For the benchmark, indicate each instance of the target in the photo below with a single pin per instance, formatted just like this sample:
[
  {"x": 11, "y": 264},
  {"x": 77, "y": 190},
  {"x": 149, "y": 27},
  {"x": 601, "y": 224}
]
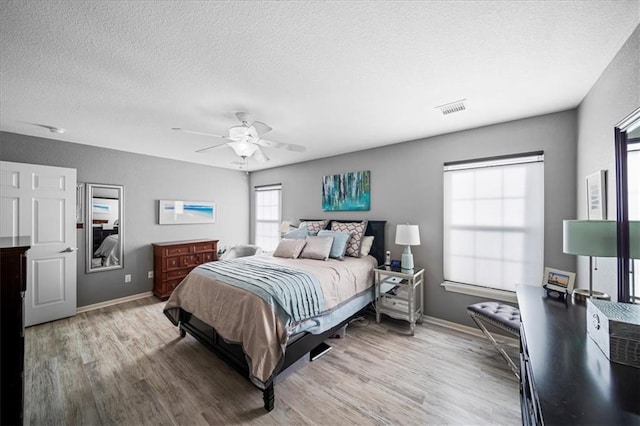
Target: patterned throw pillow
[
  {"x": 357, "y": 229},
  {"x": 315, "y": 226}
]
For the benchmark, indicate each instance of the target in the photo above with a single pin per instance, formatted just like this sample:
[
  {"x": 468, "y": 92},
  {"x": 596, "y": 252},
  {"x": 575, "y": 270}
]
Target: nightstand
[{"x": 400, "y": 294}]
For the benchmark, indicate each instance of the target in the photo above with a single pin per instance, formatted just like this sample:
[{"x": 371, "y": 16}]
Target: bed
[
  {"x": 108, "y": 253},
  {"x": 257, "y": 342}
]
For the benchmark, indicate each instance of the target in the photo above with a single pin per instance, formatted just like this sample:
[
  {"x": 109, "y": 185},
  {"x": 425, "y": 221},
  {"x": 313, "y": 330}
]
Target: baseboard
[
  {"x": 465, "y": 329},
  {"x": 112, "y": 302}
]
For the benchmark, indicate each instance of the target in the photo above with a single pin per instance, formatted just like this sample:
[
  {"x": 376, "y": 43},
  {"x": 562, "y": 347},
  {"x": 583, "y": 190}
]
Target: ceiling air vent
[{"x": 452, "y": 107}]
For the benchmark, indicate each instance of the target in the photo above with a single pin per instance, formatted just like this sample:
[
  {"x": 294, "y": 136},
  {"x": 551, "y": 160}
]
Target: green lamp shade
[{"x": 590, "y": 237}]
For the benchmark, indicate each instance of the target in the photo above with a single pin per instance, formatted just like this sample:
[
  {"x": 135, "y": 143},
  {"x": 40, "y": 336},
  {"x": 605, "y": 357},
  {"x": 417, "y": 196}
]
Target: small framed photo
[
  {"x": 597, "y": 196},
  {"x": 557, "y": 280}
]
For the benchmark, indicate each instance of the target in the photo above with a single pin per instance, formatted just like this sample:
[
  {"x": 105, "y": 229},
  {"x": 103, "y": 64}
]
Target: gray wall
[
  {"x": 406, "y": 186},
  {"x": 612, "y": 98},
  {"x": 146, "y": 179}
]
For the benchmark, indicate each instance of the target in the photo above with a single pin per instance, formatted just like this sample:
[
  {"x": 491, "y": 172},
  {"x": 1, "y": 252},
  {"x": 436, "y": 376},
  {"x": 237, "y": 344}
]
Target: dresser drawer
[
  {"x": 171, "y": 285},
  {"x": 200, "y": 247},
  {"x": 206, "y": 257},
  {"x": 180, "y": 273},
  {"x": 171, "y": 263},
  {"x": 173, "y": 251},
  {"x": 189, "y": 260}
]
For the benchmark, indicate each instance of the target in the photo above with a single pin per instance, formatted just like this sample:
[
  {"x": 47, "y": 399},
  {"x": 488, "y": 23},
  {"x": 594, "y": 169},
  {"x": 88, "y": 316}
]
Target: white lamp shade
[
  {"x": 285, "y": 226},
  {"x": 407, "y": 235},
  {"x": 596, "y": 238}
]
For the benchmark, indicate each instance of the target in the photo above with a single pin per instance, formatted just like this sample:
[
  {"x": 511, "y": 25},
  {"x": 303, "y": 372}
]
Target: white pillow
[{"x": 367, "y": 242}]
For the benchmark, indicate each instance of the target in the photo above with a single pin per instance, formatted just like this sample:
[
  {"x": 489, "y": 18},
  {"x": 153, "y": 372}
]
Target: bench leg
[{"x": 498, "y": 346}]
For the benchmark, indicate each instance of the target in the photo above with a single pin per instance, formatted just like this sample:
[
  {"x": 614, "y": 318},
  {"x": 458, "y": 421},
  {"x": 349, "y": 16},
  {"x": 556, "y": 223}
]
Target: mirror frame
[
  {"x": 89, "y": 226},
  {"x": 622, "y": 202}
]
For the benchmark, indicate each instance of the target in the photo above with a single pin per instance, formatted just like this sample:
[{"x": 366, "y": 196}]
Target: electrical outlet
[
  {"x": 127, "y": 278},
  {"x": 150, "y": 274}
]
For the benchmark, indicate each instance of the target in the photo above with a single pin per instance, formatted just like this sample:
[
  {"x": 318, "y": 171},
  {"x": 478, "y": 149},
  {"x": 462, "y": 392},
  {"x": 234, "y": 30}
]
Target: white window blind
[
  {"x": 267, "y": 216},
  {"x": 494, "y": 221}
]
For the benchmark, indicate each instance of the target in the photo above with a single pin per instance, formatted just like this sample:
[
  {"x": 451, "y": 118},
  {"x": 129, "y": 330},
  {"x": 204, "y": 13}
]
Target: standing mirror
[
  {"x": 627, "y": 155},
  {"x": 104, "y": 227}
]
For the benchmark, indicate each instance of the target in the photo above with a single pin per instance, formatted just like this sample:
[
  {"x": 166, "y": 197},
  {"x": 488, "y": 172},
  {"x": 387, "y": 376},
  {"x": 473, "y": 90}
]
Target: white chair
[{"x": 241, "y": 251}]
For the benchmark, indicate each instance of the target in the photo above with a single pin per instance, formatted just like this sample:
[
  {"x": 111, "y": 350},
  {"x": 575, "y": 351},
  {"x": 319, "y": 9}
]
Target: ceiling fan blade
[
  {"x": 261, "y": 127},
  {"x": 209, "y": 148},
  {"x": 268, "y": 144},
  {"x": 260, "y": 156},
  {"x": 198, "y": 133}
]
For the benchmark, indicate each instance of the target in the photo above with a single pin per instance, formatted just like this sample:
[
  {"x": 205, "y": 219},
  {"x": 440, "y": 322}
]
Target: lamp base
[
  {"x": 407, "y": 260},
  {"x": 581, "y": 295}
]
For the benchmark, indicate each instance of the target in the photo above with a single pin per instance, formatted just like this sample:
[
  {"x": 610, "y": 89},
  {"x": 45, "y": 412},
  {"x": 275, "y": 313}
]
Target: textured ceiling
[{"x": 335, "y": 77}]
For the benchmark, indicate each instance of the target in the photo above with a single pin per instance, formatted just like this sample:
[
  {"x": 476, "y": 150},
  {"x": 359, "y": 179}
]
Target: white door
[{"x": 40, "y": 202}]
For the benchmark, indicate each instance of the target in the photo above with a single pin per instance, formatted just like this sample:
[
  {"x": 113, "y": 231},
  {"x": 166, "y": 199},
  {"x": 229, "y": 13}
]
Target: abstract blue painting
[
  {"x": 347, "y": 191},
  {"x": 172, "y": 212}
]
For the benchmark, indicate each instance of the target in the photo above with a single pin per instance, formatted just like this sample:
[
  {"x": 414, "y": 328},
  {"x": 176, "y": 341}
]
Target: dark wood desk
[{"x": 565, "y": 377}]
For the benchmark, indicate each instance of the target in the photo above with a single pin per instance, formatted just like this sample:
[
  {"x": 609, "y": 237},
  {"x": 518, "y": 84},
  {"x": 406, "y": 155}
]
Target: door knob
[{"x": 69, "y": 250}]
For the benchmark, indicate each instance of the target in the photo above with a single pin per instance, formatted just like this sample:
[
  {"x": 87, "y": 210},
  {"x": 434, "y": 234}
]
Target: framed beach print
[
  {"x": 176, "y": 212},
  {"x": 557, "y": 280},
  {"x": 597, "y": 196}
]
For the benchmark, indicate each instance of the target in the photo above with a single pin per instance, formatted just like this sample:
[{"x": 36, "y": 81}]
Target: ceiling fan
[{"x": 246, "y": 139}]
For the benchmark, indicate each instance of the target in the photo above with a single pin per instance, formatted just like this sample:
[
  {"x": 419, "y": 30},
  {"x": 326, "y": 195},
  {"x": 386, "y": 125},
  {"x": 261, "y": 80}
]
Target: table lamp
[
  {"x": 407, "y": 235},
  {"x": 285, "y": 226},
  {"x": 593, "y": 238}
]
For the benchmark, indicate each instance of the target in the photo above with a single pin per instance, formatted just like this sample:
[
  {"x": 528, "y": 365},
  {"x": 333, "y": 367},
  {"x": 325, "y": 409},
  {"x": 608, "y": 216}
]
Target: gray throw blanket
[{"x": 294, "y": 295}]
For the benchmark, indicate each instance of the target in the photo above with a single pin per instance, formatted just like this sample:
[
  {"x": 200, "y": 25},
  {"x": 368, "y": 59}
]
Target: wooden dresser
[
  {"x": 173, "y": 260},
  {"x": 13, "y": 259}
]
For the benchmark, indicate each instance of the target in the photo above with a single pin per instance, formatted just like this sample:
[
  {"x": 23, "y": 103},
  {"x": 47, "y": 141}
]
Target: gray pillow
[
  {"x": 317, "y": 248},
  {"x": 297, "y": 234},
  {"x": 289, "y": 249},
  {"x": 340, "y": 241}
]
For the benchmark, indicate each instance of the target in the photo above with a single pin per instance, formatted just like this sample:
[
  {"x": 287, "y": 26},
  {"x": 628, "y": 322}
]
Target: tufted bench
[{"x": 500, "y": 315}]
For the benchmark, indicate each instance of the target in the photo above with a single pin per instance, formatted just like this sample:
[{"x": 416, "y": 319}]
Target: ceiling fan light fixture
[
  {"x": 243, "y": 149},
  {"x": 238, "y": 133}
]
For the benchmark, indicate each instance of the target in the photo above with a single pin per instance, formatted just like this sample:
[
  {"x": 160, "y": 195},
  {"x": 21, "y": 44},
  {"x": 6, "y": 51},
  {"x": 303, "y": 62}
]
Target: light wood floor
[{"x": 126, "y": 365}]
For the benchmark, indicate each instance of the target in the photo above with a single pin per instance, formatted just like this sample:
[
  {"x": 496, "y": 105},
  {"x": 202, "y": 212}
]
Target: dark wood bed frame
[{"x": 296, "y": 350}]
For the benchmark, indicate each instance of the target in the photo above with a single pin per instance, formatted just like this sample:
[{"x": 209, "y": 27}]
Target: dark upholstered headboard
[{"x": 375, "y": 228}]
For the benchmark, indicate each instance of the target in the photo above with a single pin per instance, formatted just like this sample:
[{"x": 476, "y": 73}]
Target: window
[
  {"x": 494, "y": 221},
  {"x": 267, "y": 214}
]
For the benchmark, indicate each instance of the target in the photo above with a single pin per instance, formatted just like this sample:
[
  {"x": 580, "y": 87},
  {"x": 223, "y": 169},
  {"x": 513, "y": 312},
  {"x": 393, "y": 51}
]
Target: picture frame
[
  {"x": 596, "y": 196},
  {"x": 558, "y": 280},
  {"x": 347, "y": 191},
  {"x": 179, "y": 212}
]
